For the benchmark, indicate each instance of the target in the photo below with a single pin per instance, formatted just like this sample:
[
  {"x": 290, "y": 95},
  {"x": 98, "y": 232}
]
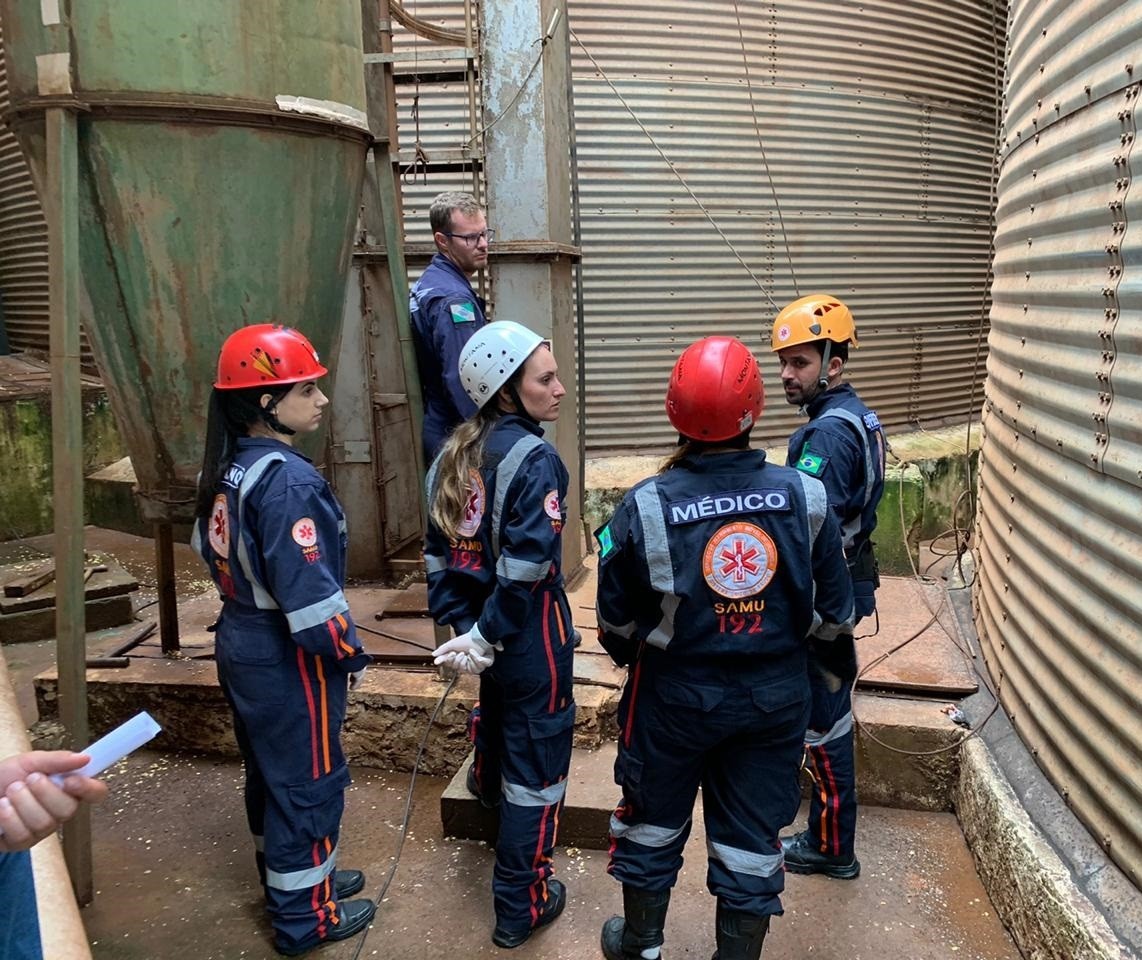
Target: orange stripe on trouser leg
[
  {"x": 550, "y": 652},
  {"x": 307, "y": 687},
  {"x": 326, "y": 752},
  {"x": 559, "y": 623},
  {"x": 830, "y": 801},
  {"x": 537, "y": 863}
]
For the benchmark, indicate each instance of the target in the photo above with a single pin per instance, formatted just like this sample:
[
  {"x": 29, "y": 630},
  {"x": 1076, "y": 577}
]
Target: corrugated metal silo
[
  {"x": 1059, "y": 592},
  {"x": 878, "y": 121}
]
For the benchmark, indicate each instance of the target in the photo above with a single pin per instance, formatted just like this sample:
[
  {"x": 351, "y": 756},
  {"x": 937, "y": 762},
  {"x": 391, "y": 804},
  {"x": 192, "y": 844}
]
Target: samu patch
[
  {"x": 463, "y": 313},
  {"x": 304, "y": 534},
  {"x": 871, "y": 421},
  {"x": 811, "y": 463}
]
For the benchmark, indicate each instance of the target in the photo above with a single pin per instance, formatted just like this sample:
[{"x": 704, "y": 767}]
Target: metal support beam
[
  {"x": 168, "y": 597},
  {"x": 62, "y": 208},
  {"x": 528, "y": 179}
]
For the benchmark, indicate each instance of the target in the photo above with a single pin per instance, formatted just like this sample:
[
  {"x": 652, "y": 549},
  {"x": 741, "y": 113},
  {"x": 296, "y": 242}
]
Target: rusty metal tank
[{"x": 221, "y": 152}]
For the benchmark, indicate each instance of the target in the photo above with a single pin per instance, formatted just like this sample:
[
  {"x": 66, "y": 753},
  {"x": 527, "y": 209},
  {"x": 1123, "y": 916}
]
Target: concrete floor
[{"x": 175, "y": 879}]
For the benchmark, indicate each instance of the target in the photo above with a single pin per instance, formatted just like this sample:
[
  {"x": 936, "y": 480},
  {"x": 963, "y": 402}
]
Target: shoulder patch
[
  {"x": 463, "y": 313},
  {"x": 606, "y": 541},
  {"x": 871, "y": 420},
  {"x": 811, "y": 463}
]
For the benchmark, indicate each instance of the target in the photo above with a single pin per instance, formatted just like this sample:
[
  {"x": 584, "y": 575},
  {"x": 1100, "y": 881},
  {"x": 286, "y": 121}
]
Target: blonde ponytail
[{"x": 462, "y": 453}]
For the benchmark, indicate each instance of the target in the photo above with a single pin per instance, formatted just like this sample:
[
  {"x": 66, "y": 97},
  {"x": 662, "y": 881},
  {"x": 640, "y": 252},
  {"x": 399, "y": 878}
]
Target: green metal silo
[{"x": 221, "y": 151}]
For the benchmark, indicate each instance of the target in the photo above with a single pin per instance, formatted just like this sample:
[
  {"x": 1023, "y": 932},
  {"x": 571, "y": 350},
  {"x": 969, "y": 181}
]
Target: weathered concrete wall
[
  {"x": 26, "y": 452},
  {"x": 1032, "y": 889},
  {"x": 385, "y": 722}
]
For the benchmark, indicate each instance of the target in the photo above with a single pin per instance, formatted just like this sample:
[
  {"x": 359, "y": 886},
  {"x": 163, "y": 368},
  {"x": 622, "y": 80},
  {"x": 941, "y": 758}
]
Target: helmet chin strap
[
  {"x": 520, "y": 409},
  {"x": 823, "y": 380},
  {"x": 275, "y": 424}
]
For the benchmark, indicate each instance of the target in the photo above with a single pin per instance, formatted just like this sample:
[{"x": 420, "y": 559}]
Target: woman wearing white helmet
[{"x": 493, "y": 551}]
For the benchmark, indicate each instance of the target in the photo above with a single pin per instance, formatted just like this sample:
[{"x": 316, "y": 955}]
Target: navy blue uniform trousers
[
  {"x": 738, "y": 734},
  {"x": 522, "y": 732}
]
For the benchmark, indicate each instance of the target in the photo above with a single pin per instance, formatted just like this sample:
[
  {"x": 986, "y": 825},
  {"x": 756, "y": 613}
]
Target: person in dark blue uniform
[
  {"x": 843, "y": 446},
  {"x": 497, "y": 504},
  {"x": 445, "y": 311},
  {"x": 273, "y": 536},
  {"x": 715, "y": 577}
]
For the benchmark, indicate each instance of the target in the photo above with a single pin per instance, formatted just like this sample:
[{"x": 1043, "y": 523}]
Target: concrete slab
[
  {"x": 584, "y": 822},
  {"x": 175, "y": 879},
  {"x": 917, "y": 647}
]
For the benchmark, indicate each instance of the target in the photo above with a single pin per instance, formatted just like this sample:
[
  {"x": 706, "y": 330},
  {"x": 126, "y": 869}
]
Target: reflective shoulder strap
[
  {"x": 505, "y": 473},
  {"x": 869, "y": 462},
  {"x": 254, "y": 473}
]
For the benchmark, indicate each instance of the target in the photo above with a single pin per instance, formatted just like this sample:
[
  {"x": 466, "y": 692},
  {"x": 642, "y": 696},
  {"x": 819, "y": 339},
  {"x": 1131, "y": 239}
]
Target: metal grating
[{"x": 1059, "y": 593}]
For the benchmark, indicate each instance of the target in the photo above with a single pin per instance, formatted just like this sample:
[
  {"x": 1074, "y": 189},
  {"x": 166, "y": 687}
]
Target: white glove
[
  {"x": 356, "y": 678},
  {"x": 467, "y": 653}
]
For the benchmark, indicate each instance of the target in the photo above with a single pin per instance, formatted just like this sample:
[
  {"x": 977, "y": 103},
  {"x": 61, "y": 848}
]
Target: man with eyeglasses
[{"x": 446, "y": 311}]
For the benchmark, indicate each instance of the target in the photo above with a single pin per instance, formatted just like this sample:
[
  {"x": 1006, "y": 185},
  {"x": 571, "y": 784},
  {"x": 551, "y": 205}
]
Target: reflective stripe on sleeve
[
  {"x": 317, "y": 613},
  {"x": 523, "y": 571},
  {"x": 434, "y": 563}
]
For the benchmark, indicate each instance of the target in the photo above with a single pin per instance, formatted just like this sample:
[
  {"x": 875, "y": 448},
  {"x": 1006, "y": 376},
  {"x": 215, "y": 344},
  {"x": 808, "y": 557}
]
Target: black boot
[
  {"x": 802, "y": 855},
  {"x": 740, "y": 935},
  {"x": 624, "y": 938}
]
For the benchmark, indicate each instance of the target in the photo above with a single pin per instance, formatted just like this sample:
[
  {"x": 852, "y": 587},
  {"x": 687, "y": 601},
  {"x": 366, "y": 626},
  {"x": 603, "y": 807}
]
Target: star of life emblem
[
  {"x": 218, "y": 527},
  {"x": 739, "y": 560},
  {"x": 474, "y": 506}
]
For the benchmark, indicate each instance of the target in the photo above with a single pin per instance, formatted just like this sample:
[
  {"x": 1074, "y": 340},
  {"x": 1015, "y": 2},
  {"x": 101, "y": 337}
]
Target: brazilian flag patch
[
  {"x": 606, "y": 541},
  {"x": 463, "y": 313},
  {"x": 810, "y": 462}
]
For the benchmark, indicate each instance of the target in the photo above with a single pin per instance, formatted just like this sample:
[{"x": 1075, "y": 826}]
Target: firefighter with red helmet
[
  {"x": 843, "y": 446},
  {"x": 714, "y": 577},
  {"x": 497, "y": 495},
  {"x": 273, "y": 536}
]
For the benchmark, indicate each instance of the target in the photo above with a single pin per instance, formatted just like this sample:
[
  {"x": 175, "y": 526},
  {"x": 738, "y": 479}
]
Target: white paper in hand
[{"x": 112, "y": 748}]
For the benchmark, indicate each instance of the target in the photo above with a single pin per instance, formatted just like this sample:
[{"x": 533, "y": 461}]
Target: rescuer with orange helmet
[
  {"x": 712, "y": 575},
  {"x": 272, "y": 535},
  {"x": 843, "y": 446}
]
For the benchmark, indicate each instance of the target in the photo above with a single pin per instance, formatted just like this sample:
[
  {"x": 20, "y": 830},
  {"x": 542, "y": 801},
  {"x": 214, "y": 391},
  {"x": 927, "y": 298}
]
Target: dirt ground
[{"x": 175, "y": 879}]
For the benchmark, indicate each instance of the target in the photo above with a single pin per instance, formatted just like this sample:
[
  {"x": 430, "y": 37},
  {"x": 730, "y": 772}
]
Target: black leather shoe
[
  {"x": 474, "y": 789},
  {"x": 356, "y": 915},
  {"x": 802, "y": 856},
  {"x": 558, "y": 895},
  {"x": 346, "y": 883}
]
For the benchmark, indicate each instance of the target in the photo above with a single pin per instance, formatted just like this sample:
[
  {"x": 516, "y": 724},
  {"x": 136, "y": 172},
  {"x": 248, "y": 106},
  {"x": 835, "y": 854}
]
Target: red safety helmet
[
  {"x": 715, "y": 391},
  {"x": 265, "y": 354}
]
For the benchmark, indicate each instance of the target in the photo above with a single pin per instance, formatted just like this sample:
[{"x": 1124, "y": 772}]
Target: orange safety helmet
[
  {"x": 715, "y": 391},
  {"x": 815, "y": 317},
  {"x": 266, "y": 354}
]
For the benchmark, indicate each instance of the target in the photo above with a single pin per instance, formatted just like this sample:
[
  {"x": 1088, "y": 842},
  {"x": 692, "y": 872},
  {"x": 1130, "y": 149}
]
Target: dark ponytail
[{"x": 229, "y": 416}]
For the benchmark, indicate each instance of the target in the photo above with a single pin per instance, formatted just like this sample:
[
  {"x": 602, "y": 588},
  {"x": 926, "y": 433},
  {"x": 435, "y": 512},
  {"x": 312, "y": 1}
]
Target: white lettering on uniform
[{"x": 738, "y": 502}]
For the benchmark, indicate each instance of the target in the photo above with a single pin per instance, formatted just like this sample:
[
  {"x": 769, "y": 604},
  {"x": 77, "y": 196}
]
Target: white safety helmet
[{"x": 492, "y": 354}]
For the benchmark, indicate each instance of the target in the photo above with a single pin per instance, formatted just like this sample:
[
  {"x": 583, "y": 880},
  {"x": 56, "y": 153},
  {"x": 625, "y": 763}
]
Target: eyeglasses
[{"x": 472, "y": 238}]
